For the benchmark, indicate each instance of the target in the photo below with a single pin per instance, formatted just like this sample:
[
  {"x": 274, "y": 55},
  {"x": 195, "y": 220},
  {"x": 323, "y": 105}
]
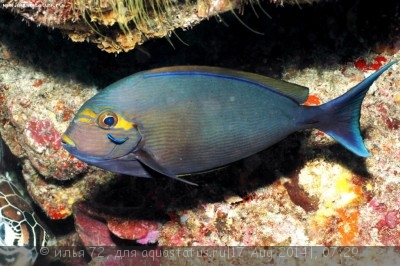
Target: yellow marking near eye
[
  {"x": 124, "y": 124},
  {"x": 85, "y": 120},
  {"x": 67, "y": 140},
  {"x": 87, "y": 112},
  {"x": 86, "y": 115}
]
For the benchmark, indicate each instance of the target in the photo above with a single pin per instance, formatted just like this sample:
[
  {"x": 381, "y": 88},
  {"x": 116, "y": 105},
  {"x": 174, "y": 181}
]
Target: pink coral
[
  {"x": 131, "y": 229},
  {"x": 44, "y": 133},
  {"x": 150, "y": 238},
  {"x": 94, "y": 232},
  {"x": 392, "y": 219}
]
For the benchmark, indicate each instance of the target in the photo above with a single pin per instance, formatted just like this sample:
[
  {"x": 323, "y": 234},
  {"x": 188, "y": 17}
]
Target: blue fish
[{"x": 189, "y": 119}]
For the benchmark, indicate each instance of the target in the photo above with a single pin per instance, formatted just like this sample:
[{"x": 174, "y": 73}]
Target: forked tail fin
[{"x": 340, "y": 118}]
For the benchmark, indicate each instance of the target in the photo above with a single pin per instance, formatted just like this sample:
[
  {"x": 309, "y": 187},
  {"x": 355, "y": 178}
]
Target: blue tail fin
[{"x": 341, "y": 116}]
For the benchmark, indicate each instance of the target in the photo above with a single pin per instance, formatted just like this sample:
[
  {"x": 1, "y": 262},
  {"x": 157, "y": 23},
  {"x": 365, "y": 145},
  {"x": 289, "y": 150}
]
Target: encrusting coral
[{"x": 120, "y": 25}]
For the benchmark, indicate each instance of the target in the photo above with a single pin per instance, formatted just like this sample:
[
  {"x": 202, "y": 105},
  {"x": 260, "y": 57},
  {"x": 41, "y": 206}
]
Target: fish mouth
[
  {"x": 67, "y": 141},
  {"x": 127, "y": 164},
  {"x": 82, "y": 156},
  {"x": 69, "y": 145}
]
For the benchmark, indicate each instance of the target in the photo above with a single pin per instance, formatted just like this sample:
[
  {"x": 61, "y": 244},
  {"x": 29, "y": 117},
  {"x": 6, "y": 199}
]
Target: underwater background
[{"x": 306, "y": 190}]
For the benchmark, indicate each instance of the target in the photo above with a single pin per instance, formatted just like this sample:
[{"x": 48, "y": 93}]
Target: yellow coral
[{"x": 339, "y": 197}]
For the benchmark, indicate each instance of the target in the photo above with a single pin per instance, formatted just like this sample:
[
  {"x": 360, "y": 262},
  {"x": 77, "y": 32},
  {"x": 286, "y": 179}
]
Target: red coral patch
[
  {"x": 44, "y": 133},
  {"x": 131, "y": 229}
]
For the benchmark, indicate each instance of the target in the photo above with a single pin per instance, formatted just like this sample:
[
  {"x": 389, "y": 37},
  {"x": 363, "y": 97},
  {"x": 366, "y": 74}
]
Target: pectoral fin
[{"x": 147, "y": 159}]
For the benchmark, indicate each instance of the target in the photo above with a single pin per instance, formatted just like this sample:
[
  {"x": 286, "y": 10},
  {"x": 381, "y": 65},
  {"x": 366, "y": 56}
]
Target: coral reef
[
  {"x": 32, "y": 122},
  {"x": 142, "y": 231},
  {"x": 120, "y": 25},
  {"x": 305, "y": 191}
]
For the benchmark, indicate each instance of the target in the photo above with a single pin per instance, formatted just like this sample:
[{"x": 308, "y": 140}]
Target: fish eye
[{"x": 107, "y": 120}]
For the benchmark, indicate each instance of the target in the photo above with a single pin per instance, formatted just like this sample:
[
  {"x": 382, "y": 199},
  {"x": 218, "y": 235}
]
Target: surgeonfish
[
  {"x": 22, "y": 234},
  {"x": 189, "y": 119}
]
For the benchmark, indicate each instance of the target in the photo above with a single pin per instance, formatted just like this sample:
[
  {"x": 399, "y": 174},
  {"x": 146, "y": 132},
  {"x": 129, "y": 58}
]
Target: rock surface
[
  {"x": 119, "y": 26},
  {"x": 306, "y": 190}
]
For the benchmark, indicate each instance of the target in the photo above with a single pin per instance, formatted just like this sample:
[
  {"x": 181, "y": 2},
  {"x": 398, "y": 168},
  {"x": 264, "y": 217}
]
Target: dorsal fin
[{"x": 294, "y": 91}]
